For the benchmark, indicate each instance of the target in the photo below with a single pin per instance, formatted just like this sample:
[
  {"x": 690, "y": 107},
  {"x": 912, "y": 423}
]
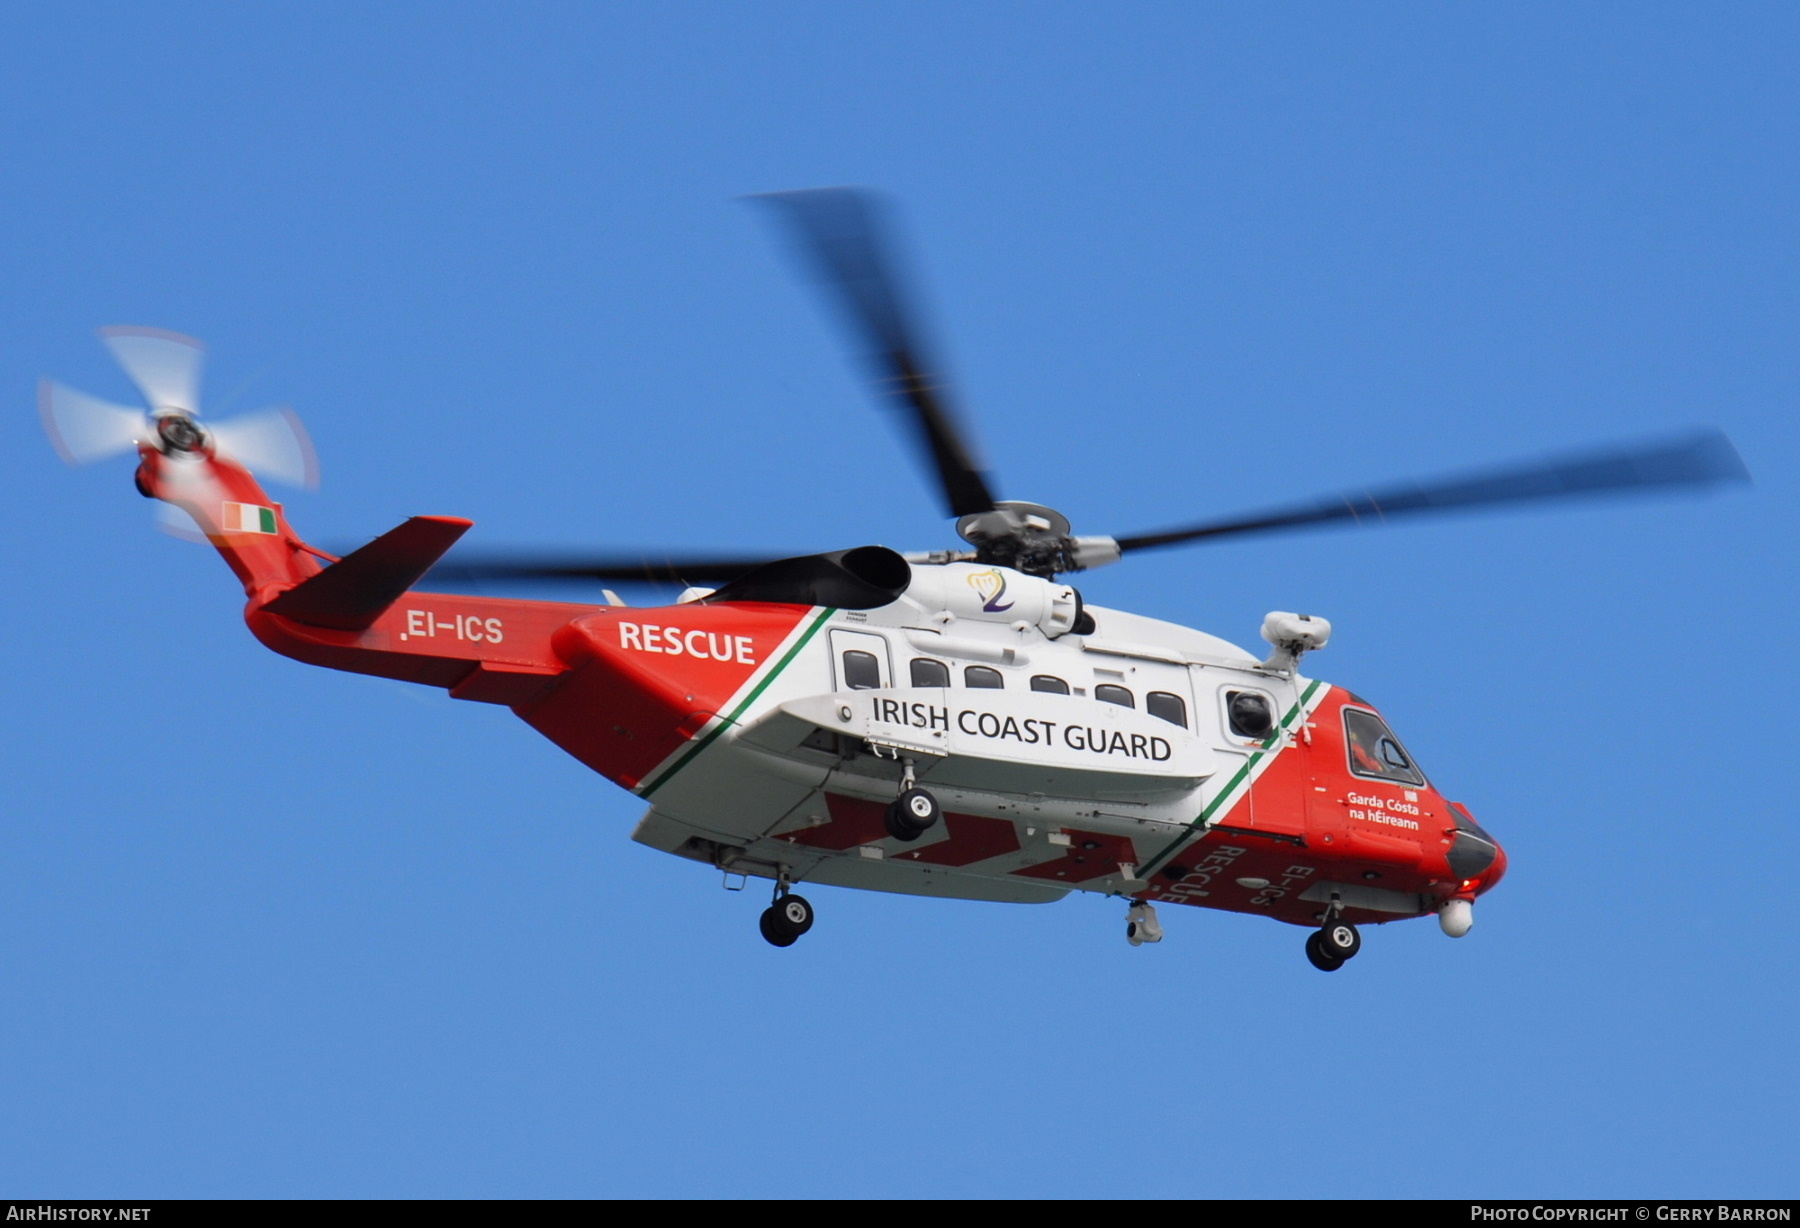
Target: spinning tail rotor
[{"x": 166, "y": 367}]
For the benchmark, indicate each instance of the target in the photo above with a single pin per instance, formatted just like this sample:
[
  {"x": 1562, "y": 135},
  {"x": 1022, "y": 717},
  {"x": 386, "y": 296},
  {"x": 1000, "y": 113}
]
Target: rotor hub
[
  {"x": 1027, "y": 537},
  {"x": 179, "y": 433}
]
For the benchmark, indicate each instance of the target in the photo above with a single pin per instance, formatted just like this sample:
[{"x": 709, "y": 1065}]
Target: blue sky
[{"x": 266, "y": 929}]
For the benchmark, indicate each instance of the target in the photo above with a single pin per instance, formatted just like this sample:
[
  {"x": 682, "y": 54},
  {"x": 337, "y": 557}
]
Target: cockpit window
[{"x": 1375, "y": 751}]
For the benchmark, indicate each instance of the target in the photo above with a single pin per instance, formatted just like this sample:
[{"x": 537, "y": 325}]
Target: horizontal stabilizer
[{"x": 351, "y": 594}]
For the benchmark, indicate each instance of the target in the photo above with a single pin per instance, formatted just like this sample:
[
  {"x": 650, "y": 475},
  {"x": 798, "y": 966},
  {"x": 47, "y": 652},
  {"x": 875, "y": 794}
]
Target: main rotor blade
[
  {"x": 843, "y": 237},
  {"x": 1700, "y": 458},
  {"x": 467, "y": 568},
  {"x": 165, "y": 366}
]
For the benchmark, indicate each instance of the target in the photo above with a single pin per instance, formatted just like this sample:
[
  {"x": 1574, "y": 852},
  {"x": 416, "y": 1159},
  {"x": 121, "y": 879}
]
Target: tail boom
[
  {"x": 626, "y": 696},
  {"x": 489, "y": 649}
]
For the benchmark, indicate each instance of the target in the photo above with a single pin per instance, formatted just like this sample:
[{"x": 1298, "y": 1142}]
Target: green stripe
[
  {"x": 749, "y": 699},
  {"x": 1198, "y": 826}
]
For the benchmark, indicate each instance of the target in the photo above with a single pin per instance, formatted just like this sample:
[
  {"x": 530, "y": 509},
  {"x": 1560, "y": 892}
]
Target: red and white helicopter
[{"x": 956, "y": 723}]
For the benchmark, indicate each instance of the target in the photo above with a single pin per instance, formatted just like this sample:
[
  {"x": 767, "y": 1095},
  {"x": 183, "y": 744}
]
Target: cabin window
[
  {"x": 1250, "y": 714},
  {"x": 981, "y": 678},
  {"x": 1375, "y": 751},
  {"x": 1107, "y": 693},
  {"x": 862, "y": 672},
  {"x": 1049, "y": 684},
  {"x": 1171, "y": 708},
  {"x": 926, "y": 672}
]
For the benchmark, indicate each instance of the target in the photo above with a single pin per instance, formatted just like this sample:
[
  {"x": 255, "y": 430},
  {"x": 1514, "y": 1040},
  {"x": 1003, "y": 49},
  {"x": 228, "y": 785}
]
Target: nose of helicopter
[
  {"x": 1477, "y": 861},
  {"x": 1495, "y": 872},
  {"x": 1475, "y": 856}
]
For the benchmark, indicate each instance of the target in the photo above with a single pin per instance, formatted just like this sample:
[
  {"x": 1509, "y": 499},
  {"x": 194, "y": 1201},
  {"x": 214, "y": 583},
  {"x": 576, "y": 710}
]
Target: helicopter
[{"x": 957, "y": 723}]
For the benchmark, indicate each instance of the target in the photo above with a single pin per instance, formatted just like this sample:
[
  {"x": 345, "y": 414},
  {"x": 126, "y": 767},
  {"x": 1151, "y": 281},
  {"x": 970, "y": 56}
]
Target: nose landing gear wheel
[
  {"x": 912, "y": 814},
  {"x": 1315, "y": 954},
  {"x": 785, "y": 920}
]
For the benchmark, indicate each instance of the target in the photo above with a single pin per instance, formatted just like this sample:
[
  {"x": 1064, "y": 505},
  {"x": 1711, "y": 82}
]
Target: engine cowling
[{"x": 996, "y": 595}]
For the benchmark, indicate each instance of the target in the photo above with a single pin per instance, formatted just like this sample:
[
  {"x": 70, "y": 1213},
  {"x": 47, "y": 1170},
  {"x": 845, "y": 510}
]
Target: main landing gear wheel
[
  {"x": 1330, "y": 946},
  {"x": 912, "y": 814},
  {"x": 1340, "y": 940},
  {"x": 785, "y": 920},
  {"x": 1315, "y": 954}
]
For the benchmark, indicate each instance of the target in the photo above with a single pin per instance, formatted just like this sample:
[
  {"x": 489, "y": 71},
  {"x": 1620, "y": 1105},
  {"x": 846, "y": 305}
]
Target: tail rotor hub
[{"x": 179, "y": 433}]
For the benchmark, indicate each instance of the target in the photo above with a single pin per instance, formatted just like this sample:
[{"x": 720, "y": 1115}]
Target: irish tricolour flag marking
[{"x": 248, "y": 518}]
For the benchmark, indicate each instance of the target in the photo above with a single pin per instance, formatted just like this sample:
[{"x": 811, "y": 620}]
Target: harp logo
[{"x": 990, "y": 586}]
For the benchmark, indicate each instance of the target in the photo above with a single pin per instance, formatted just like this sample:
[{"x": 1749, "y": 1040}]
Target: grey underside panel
[
  {"x": 907, "y": 879},
  {"x": 761, "y": 857},
  {"x": 1372, "y": 899}
]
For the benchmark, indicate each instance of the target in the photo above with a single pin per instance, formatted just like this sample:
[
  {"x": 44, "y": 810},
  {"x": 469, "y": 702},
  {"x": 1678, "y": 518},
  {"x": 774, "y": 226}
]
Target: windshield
[{"x": 1375, "y": 751}]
